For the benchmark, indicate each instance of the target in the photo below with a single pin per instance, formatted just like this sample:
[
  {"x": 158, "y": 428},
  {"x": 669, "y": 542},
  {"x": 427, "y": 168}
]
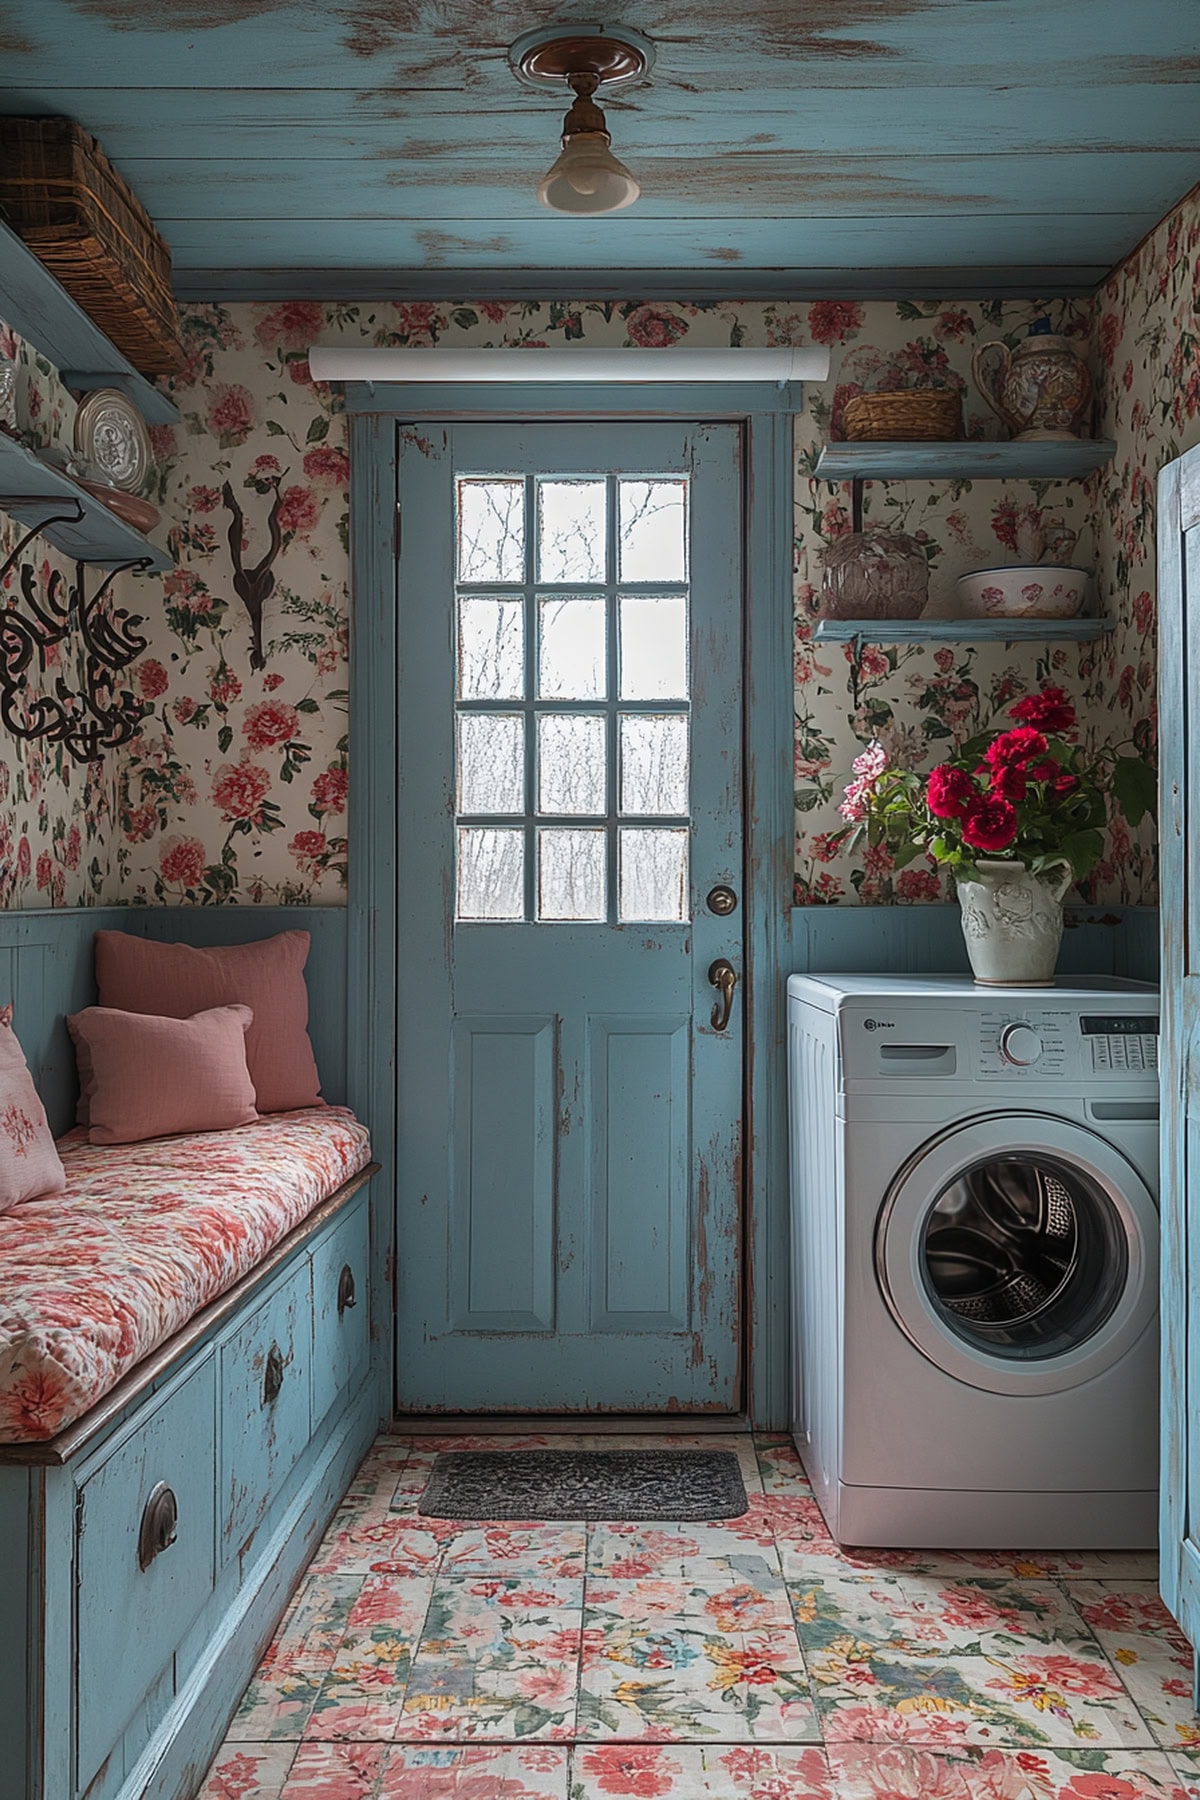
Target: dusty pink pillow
[
  {"x": 29, "y": 1164},
  {"x": 153, "y": 1077},
  {"x": 174, "y": 981}
]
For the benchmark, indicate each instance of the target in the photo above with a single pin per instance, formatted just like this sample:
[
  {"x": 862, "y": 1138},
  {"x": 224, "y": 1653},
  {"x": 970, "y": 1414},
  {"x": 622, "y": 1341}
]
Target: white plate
[{"x": 110, "y": 433}]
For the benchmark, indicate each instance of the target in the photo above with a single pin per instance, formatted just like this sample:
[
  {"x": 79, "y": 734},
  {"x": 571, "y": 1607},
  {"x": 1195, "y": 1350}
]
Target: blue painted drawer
[
  {"x": 138, "y": 1587},
  {"x": 341, "y": 1308},
  {"x": 264, "y": 1406}
]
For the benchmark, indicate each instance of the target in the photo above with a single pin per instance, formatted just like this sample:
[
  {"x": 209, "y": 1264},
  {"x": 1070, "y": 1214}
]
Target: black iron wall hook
[{"x": 97, "y": 715}]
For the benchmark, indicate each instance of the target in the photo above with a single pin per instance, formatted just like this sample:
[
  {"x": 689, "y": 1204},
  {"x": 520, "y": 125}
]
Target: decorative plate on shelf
[{"x": 111, "y": 434}]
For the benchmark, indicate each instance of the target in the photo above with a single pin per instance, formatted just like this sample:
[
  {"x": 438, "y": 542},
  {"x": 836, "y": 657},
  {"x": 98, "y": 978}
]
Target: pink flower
[
  {"x": 24, "y": 859},
  {"x": 184, "y": 709},
  {"x": 329, "y": 791},
  {"x": 308, "y": 847},
  {"x": 152, "y": 679},
  {"x": 72, "y": 848},
  {"x": 181, "y": 861},
  {"x": 230, "y": 413},
  {"x": 1109, "y": 333},
  {"x": 329, "y": 463},
  {"x": 655, "y": 329},
  {"x": 272, "y": 681},
  {"x": 270, "y": 722},
  {"x": 832, "y": 321},
  {"x": 295, "y": 324},
  {"x": 871, "y": 762},
  {"x": 299, "y": 510},
  {"x": 239, "y": 790},
  {"x": 643, "y": 1772},
  {"x": 918, "y": 884},
  {"x": 223, "y": 687},
  {"x": 204, "y": 499},
  {"x": 264, "y": 467},
  {"x": 141, "y": 822}
]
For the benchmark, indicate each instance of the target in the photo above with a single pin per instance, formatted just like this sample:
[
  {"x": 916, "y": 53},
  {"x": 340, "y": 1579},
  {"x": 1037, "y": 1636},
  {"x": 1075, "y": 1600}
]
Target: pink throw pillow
[
  {"x": 173, "y": 981},
  {"x": 29, "y": 1164},
  {"x": 154, "y": 1077}
]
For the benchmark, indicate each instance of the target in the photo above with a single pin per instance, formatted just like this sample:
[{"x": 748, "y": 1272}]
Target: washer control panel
[
  {"x": 1035, "y": 1041},
  {"x": 1126, "y": 1043}
]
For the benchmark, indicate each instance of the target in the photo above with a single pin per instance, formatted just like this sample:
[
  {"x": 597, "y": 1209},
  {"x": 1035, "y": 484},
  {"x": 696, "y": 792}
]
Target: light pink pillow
[
  {"x": 173, "y": 981},
  {"x": 30, "y": 1166},
  {"x": 153, "y": 1077}
]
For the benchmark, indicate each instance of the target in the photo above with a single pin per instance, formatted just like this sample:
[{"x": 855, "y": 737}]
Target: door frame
[{"x": 766, "y": 413}]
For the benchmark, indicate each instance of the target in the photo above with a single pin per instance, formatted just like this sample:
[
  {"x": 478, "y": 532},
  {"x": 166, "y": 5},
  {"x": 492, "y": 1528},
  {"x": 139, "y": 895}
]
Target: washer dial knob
[{"x": 1020, "y": 1044}]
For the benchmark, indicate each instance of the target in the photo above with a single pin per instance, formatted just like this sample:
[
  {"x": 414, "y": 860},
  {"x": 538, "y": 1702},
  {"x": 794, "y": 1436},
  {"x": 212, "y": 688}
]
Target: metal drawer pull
[
  {"x": 346, "y": 1294},
  {"x": 273, "y": 1378},
  {"x": 159, "y": 1527}
]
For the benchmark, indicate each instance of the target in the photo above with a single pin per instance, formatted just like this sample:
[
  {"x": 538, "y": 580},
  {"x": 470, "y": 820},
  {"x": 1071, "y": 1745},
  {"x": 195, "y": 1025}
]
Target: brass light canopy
[{"x": 587, "y": 179}]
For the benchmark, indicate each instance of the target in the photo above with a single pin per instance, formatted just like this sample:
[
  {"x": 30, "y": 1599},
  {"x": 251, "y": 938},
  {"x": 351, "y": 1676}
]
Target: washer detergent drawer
[
  {"x": 144, "y": 1563},
  {"x": 264, "y": 1406},
  {"x": 341, "y": 1309}
]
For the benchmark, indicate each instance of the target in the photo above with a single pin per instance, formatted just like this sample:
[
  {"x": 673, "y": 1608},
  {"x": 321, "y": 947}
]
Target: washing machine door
[{"x": 1019, "y": 1253}]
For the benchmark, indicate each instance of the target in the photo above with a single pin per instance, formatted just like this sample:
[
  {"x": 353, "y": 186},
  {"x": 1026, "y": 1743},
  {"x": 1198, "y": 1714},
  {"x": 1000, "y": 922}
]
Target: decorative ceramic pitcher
[
  {"x": 1042, "y": 389},
  {"x": 1012, "y": 921}
]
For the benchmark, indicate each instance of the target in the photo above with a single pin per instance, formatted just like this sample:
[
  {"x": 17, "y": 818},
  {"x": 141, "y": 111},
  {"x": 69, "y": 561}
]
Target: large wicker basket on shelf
[
  {"x": 903, "y": 416},
  {"x": 62, "y": 196}
]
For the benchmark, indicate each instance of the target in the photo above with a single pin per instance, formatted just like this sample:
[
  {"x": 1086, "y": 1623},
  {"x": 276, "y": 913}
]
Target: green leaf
[
  {"x": 274, "y": 428},
  {"x": 224, "y": 738},
  {"x": 318, "y": 429},
  {"x": 1135, "y": 788},
  {"x": 1083, "y": 850}
]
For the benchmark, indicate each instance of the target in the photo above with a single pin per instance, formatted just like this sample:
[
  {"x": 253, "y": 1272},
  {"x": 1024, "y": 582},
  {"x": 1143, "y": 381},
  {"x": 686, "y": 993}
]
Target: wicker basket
[
  {"x": 62, "y": 196},
  {"x": 904, "y": 416}
]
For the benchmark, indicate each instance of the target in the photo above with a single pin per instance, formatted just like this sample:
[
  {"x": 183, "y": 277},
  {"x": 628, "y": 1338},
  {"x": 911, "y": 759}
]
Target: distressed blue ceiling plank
[
  {"x": 630, "y": 240},
  {"x": 251, "y": 122},
  {"x": 661, "y": 285},
  {"x": 1074, "y": 42},
  {"x": 769, "y": 183}
]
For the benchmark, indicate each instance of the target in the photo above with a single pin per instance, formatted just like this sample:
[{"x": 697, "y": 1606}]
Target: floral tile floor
[{"x": 748, "y": 1659}]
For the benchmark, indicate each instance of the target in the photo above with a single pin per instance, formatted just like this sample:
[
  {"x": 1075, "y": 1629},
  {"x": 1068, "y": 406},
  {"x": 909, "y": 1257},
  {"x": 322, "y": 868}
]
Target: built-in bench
[{"x": 172, "y": 1449}]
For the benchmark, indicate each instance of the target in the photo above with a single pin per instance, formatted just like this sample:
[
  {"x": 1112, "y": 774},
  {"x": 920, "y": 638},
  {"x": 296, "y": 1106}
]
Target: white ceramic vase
[{"x": 1012, "y": 921}]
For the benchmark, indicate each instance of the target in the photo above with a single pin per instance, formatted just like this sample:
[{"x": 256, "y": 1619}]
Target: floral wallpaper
[{"x": 236, "y": 787}]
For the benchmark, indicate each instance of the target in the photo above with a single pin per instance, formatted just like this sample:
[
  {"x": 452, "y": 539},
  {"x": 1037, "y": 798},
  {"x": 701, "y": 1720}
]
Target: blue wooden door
[
  {"x": 1179, "y": 833},
  {"x": 570, "y": 793}
]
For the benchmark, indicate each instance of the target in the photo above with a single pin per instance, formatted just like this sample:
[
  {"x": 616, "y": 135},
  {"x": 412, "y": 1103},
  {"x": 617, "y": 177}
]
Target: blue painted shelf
[
  {"x": 41, "y": 310},
  {"x": 957, "y": 631},
  {"x": 30, "y": 489},
  {"x": 964, "y": 460}
]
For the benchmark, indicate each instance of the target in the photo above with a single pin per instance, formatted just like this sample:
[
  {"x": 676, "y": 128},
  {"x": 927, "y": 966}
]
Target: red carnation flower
[
  {"x": 181, "y": 861},
  {"x": 270, "y": 722},
  {"x": 990, "y": 825},
  {"x": 1009, "y": 783},
  {"x": 1049, "y": 710},
  {"x": 950, "y": 792},
  {"x": 239, "y": 790},
  {"x": 1019, "y": 746}
]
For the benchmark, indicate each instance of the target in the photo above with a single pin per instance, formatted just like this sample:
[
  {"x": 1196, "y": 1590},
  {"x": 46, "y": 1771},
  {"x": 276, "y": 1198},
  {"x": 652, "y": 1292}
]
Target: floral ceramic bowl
[{"x": 1038, "y": 591}]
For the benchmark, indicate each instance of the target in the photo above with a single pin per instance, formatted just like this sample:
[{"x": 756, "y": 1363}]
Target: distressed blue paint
[
  {"x": 270, "y": 1434},
  {"x": 578, "y": 973},
  {"x": 501, "y": 1226},
  {"x": 1179, "y": 789},
  {"x": 958, "y": 631},
  {"x": 968, "y": 459},
  {"x": 341, "y": 1334},
  {"x": 30, "y": 491}
]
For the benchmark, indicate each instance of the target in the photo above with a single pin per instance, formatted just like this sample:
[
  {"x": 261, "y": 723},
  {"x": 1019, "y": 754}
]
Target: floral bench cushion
[{"x": 146, "y": 1234}]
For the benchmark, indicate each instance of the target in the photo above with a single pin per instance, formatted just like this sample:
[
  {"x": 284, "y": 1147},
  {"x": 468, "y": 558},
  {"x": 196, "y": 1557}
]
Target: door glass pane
[
  {"x": 654, "y": 649},
  {"x": 491, "y": 529},
  {"x": 653, "y": 876},
  {"x": 571, "y": 533},
  {"x": 653, "y": 530},
  {"x": 491, "y": 763},
  {"x": 654, "y": 763},
  {"x": 572, "y": 873},
  {"x": 491, "y": 648},
  {"x": 571, "y": 660},
  {"x": 491, "y": 872},
  {"x": 572, "y": 764}
]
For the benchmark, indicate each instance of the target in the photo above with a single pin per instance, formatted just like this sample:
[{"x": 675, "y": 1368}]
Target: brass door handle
[
  {"x": 159, "y": 1527},
  {"x": 723, "y": 976}
]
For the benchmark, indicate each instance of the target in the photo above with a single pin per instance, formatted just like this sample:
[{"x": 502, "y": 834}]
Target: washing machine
[{"x": 975, "y": 1260}]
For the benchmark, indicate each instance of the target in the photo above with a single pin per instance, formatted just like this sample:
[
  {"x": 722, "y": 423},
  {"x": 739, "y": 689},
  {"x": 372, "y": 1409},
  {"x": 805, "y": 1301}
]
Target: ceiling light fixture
[{"x": 587, "y": 178}]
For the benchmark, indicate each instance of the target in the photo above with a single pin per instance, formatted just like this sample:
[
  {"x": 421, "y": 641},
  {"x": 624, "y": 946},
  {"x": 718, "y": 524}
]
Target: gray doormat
[{"x": 584, "y": 1484}]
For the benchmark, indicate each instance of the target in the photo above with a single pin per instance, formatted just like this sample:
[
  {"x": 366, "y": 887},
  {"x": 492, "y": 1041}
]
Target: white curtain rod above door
[{"x": 364, "y": 362}]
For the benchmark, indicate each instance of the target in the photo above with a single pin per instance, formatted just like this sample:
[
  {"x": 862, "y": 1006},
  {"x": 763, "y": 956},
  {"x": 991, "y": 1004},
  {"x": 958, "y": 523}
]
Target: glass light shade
[{"x": 587, "y": 178}]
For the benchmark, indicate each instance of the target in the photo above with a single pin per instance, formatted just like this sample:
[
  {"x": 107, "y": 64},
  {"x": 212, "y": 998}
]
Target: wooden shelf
[
  {"x": 957, "y": 631},
  {"x": 38, "y": 308},
  {"x": 963, "y": 460},
  {"x": 31, "y": 489}
]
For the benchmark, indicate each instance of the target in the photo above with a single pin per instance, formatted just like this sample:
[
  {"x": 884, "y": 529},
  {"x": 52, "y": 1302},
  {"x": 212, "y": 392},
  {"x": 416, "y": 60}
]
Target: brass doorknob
[
  {"x": 723, "y": 976},
  {"x": 721, "y": 900}
]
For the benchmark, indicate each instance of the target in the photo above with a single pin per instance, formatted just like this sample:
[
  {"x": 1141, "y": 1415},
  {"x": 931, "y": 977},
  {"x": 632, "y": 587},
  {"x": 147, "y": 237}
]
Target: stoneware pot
[
  {"x": 1042, "y": 390},
  {"x": 1012, "y": 921}
]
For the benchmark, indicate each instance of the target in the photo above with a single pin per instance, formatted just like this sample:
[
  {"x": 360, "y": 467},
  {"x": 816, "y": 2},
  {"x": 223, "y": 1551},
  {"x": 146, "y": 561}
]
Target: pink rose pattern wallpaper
[{"x": 236, "y": 789}]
